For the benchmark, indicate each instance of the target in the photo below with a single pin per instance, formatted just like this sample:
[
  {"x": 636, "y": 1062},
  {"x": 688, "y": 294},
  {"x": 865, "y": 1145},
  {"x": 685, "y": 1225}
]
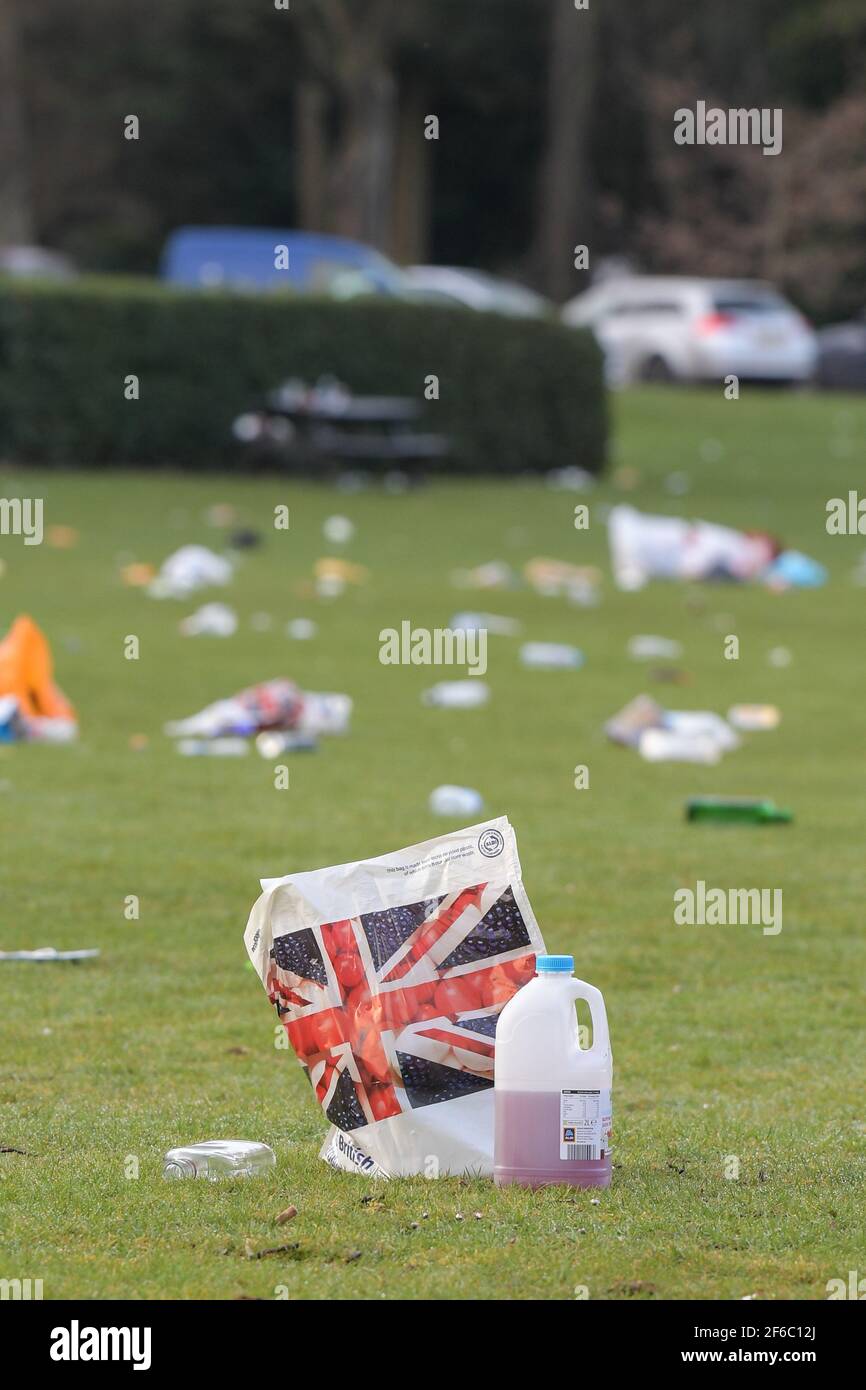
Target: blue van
[{"x": 263, "y": 258}]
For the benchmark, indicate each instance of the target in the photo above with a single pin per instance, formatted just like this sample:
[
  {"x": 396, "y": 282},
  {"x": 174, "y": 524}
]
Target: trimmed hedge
[{"x": 515, "y": 394}]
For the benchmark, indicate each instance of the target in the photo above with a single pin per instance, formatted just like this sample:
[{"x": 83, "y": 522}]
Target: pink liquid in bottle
[
  {"x": 527, "y": 1144},
  {"x": 553, "y": 1095}
]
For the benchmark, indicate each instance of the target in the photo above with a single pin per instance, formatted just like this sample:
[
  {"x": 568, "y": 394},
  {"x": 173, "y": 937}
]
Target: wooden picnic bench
[{"x": 334, "y": 425}]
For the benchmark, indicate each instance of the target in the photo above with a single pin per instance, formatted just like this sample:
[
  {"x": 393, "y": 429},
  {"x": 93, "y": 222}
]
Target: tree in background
[
  {"x": 16, "y": 219},
  {"x": 556, "y": 128}
]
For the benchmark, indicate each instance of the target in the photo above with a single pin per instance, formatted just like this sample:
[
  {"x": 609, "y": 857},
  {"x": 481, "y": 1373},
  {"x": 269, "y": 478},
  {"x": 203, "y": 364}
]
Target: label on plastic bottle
[{"x": 584, "y": 1124}]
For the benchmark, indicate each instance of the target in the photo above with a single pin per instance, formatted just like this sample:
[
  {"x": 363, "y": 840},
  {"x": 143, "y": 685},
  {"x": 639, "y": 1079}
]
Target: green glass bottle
[{"x": 735, "y": 810}]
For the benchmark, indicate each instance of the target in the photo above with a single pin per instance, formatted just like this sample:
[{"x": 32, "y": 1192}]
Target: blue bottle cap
[{"x": 554, "y": 964}]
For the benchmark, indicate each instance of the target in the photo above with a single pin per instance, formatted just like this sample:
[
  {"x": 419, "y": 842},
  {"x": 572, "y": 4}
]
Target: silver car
[{"x": 658, "y": 328}]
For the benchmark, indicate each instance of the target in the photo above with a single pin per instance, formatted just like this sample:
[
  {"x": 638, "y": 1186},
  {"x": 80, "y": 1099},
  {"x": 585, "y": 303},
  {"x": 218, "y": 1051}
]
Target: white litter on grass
[
  {"x": 779, "y": 657},
  {"x": 213, "y": 747},
  {"x": 338, "y": 530},
  {"x": 468, "y": 694},
  {"x": 665, "y": 746},
  {"x": 450, "y": 800},
  {"x": 325, "y": 712},
  {"x": 188, "y": 569},
  {"x": 550, "y": 656},
  {"x": 572, "y": 479},
  {"x": 211, "y": 620},
  {"x": 481, "y": 622},
  {"x": 646, "y": 647},
  {"x": 301, "y": 629},
  {"x": 48, "y": 953},
  {"x": 671, "y": 735},
  {"x": 700, "y": 723}
]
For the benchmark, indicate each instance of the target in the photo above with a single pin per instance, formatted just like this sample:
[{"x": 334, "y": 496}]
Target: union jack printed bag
[{"x": 388, "y": 976}]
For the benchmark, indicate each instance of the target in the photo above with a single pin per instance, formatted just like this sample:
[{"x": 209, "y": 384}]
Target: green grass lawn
[{"x": 726, "y": 1041}]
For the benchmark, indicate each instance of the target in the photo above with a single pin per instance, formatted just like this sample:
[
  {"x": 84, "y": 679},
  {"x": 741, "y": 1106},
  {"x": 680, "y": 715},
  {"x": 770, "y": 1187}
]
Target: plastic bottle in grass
[
  {"x": 219, "y": 1158},
  {"x": 552, "y": 1096}
]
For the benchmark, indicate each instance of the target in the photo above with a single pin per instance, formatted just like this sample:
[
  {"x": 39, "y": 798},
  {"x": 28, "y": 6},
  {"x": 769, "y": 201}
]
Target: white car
[
  {"x": 656, "y": 328},
  {"x": 475, "y": 289}
]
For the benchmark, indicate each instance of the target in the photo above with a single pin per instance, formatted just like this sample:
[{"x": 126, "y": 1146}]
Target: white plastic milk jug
[{"x": 552, "y": 1096}]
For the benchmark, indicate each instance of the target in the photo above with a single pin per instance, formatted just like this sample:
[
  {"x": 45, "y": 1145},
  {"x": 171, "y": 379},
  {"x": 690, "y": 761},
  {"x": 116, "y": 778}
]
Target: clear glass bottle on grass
[{"x": 219, "y": 1158}]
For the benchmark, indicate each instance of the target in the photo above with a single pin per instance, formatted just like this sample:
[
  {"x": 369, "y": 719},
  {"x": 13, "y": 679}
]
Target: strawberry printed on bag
[{"x": 395, "y": 1010}]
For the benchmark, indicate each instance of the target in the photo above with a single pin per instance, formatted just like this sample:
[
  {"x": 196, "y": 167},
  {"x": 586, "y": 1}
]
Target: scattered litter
[
  {"x": 221, "y": 514},
  {"x": 663, "y": 745},
  {"x": 288, "y": 1215},
  {"x": 794, "y": 570},
  {"x": 572, "y": 479},
  {"x": 780, "y": 657},
  {"x": 449, "y": 800},
  {"x": 481, "y": 622},
  {"x": 138, "y": 575},
  {"x": 550, "y": 656},
  {"x": 274, "y": 705},
  {"x": 190, "y": 568},
  {"x": 495, "y": 574},
  {"x": 663, "y": 735},
  {"x": 670, "y": 675},
  {"x": 453, "y": 903},
  {"x": 677, "y": 483},
  {"x": 645, "y": 547},
  {"x": 338, "y": 530},
  {"x": 245, "y": 538},
  {"x": 468, "y": 694},
  {"x": 33, "y": 707},
  {"x": 213, "y": 747},
  {"x": 12, "y": 727},
  {"x": 49, "y": 953},
  {"x": 219, "y": 1158},
  {"x": 646, "y": 647},
  {"x": 271, "y": 745},
  {"x": 324, "y": 712},
  {"x": 301, "y": 629},
  {"x": 737, "y": 810},
  {"x": 754, "y": 718},
  {"x": 331, "y": 575},
  {"x": 211, "y": 620},
  {"x": 627, "y": 726},
  {"x": 61, "y": 537},
  {"x": 138, "y": 742},
  {"x": 561, "y": 579},
  {"x": 700, "y": 723}
]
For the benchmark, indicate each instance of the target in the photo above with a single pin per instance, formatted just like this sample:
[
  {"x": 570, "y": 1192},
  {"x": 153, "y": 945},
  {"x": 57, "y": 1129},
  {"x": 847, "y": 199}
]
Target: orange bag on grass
[{"x": 27, "y": 672}]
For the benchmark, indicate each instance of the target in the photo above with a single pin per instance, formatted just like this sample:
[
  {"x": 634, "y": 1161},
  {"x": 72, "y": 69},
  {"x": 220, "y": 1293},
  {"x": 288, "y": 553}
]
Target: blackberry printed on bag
[{"x": 388, "y": 976}]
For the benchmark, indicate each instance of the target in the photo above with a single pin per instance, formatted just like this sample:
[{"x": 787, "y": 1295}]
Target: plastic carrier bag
[{"x": 388, "y": 976}]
